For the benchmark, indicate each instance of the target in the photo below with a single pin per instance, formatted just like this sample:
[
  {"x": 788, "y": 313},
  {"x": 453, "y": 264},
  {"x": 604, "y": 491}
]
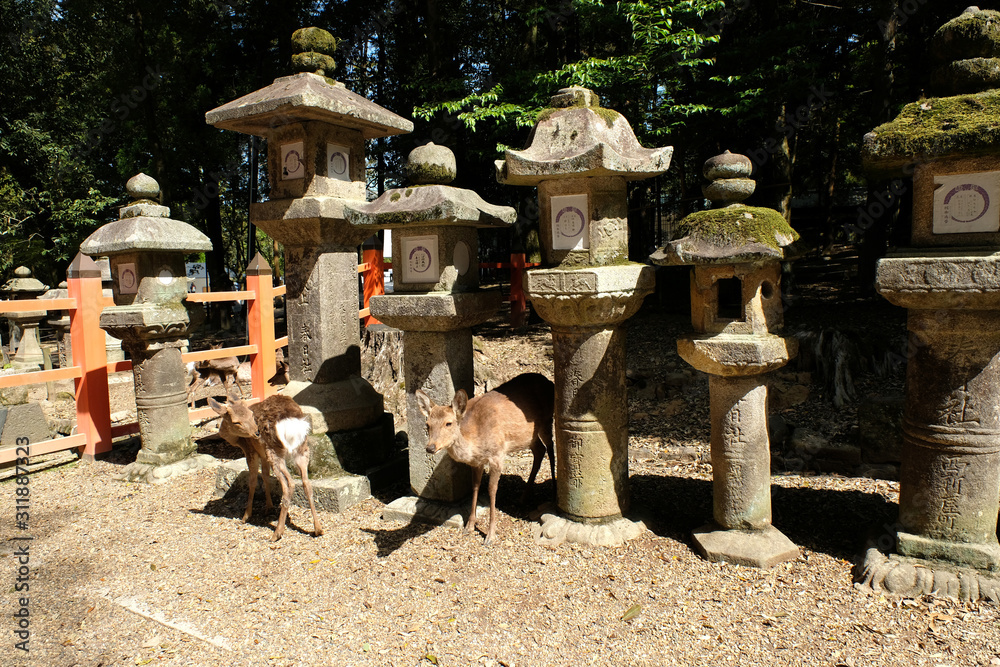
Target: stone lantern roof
[
  {"x": 308, "y": 96},
  {"x": 430, "y": 203},
  {"x": 965, "y": 120},
  {"x": 577, "y": 138},
  {"x": 23, "y": 284},
  {"x": 144, "y": 225},
  {"x": 734, "y": 234}
]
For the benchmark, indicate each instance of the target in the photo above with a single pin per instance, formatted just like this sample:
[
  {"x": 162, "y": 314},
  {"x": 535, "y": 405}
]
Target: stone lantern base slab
[
  {"x": 158, "y": 474},
  {"x": 338, "y": 406},
  {"x": 335, "y": 493},
  {"x": 414, "y": 509},
  {"x": 753, "y": 548},
  {"x": 912, "y": 577},
  {"x": 555, "y": 530},
  {"x": 977, "y": 556}
]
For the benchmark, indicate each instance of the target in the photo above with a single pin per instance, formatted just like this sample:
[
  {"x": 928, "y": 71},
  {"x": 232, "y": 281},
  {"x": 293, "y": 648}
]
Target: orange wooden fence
[{"x": 85, "y": 301}]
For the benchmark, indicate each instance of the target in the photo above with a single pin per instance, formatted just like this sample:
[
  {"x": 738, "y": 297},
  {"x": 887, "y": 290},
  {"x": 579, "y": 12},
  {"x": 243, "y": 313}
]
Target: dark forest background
[{"x": 93, "y": 92}]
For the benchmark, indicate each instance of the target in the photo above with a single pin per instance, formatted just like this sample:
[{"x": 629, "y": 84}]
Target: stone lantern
[
  {"x": 316, "y": 131},
  {"x": 949, "y": 282},
  {"x": 581, "y": 157},
  {"x": 151, "y": 318},
  {"x": 736, "y": 251},
  {"x": 60, "y": 323},
  {"x": 24, "y": 286},
  {"x": 436, "y": 300}
]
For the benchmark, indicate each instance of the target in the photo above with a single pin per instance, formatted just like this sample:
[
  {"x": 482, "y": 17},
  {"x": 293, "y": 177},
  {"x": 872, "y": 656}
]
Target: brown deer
[
  {"x": 210, "y": 372},
  {"x": 268, "y": 432},
  {"x": 482, "y": 430}
]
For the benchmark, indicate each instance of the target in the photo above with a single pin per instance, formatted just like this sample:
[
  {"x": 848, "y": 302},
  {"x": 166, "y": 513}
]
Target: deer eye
[{"x": 448, "y": 423}]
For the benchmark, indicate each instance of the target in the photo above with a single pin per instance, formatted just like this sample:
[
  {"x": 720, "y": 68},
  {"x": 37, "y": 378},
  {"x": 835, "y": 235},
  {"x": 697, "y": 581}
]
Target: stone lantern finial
[
  {"x": 729, "y": 177},
  {"x": 967, "y": 52},
  {"x": 313, "y": 51},
  {"x": 431, "y": 164}
]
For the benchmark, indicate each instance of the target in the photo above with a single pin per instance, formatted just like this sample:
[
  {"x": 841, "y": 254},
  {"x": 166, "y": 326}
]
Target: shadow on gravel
[
  {"x": 391, "y": 539},
  {"x": 826, "y": 521},
  {"x": 231, "y": 506}
]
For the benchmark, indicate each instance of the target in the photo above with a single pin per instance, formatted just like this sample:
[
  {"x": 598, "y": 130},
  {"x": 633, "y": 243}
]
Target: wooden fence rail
[{"x": 94, "y": 431}]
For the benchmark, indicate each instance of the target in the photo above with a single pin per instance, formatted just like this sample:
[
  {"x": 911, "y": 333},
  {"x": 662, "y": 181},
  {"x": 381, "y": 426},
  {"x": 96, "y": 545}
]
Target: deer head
[
  {"x": 237, "y": 419},
  {"x": 442, "y": 420}
]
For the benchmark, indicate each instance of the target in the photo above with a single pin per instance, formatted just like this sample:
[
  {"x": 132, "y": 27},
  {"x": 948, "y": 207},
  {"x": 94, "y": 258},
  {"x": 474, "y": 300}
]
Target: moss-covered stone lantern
[
  {"x": 24, "y": 286},
  {"x": 949, "y": 282},
  {"x": 151, "y": 318},
  {"x": 581, "y": 158},
  {"x": 316, "y": 131},
  {"x": 436, "y": 300},
  {"x": 736, "y": 309}
]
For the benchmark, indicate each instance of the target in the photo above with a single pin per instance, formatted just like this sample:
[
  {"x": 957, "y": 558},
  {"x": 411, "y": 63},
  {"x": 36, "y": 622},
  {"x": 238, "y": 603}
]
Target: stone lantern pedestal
[
  {"x": 581, "y": 158},
  {"x": 436, "y": 301},
  {"x": 735, "y": 308},
  {"x": 29, "y": 351},
  {"x": 151, "y": 318},
  {"x": 316, "y": 131},
  {"x": 949, "y": 282}
]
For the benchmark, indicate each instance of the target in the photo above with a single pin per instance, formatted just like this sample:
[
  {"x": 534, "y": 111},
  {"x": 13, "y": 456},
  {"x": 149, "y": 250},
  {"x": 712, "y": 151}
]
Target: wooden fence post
[
  {"x": 517, "y": 300},
  {"x": 260, "y": 326},
  {"x": 93, "y": 407},
  {"x": 374, "y": 279}
]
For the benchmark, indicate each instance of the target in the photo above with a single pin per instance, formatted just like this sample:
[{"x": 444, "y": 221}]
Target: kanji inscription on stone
[
  {"x": 570, "y": 222},
  {"x": 420, "y": 259},
  {"x": 338, "y": 162},
  {"x": 292, "y": 161},
  {"x": 966, "y": 203}
]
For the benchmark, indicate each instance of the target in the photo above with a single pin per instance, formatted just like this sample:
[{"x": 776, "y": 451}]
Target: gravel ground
[{"x": 126, "y": 574}]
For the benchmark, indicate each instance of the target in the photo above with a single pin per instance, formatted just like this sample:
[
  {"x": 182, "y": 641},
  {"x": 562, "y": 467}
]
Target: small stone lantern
[
  {"x": 949, "y": 282},
  {"x": 316, "y": 131},
  {"x": 436, "y": 300},
  {"x": 60, "y": 324},
  {"x": 581, "y": 157},
  {"x": 24, "y": 286},
  {"x": 151, "y": 318},
  {"x": 736, "y": 251}
]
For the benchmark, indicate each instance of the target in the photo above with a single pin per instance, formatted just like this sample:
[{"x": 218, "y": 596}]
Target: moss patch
[
  {"x": 937, "y": 127},
  {"x": 314, "y": 39},
  {"x": 737, "y": 226},
  {"x": 609, "y": 115},
  {"x": 972, "y": 35},
  {"x": 311, "y": 61},
  {"x": 430, "y": 174},
  {"x": 394, "y": 196}
]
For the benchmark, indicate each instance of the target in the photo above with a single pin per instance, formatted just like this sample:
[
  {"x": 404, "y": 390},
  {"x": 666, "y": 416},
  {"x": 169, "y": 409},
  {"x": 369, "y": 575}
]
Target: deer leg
[
  {"x": 550, "y": 447},
  {"x": 538, "y": 451},
  {"x": 265, "y": 474},
  {"x": 302, "y": 461},
  {"x": 281, "y": 472},
  {"x": 251, "y": 483},
  {"x": 494, "y": 481},
  {"x": 477, "y": 478}
]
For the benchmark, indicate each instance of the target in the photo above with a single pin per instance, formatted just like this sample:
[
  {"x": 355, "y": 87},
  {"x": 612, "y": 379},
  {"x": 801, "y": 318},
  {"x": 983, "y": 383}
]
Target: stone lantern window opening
[{"x": 729, "y": 300}]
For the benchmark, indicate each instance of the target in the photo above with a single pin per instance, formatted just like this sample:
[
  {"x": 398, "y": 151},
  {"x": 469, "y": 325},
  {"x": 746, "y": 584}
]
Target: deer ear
[
  {"x": 458, "y": 405},
  {"x": 219, "y": 408},
  {"x": 423, "y": 402}
]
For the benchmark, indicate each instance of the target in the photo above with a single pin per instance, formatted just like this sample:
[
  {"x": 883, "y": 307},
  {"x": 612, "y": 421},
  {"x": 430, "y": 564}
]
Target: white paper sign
[
  {"x": 292, "y": 161},
  {"x": 128, "y": 281},
  {"x": 338, "y": 162},
  {"x": 570, "y": 222},
  {"x": 967, "y": 203},
  {"x": 420, "y": 259}
]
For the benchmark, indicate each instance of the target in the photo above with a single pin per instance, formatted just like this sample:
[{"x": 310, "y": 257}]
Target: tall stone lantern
[
  {"x": 436, "y": 300},
  {"x": 581, "y": 157},
  {"x": 151, "y": 318},
  {"x": 316, "y": 131},
  {"x": 736, "y": 308},
  {"x": 949, "y": 282},
  {"x": 24, "y": 286}
]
